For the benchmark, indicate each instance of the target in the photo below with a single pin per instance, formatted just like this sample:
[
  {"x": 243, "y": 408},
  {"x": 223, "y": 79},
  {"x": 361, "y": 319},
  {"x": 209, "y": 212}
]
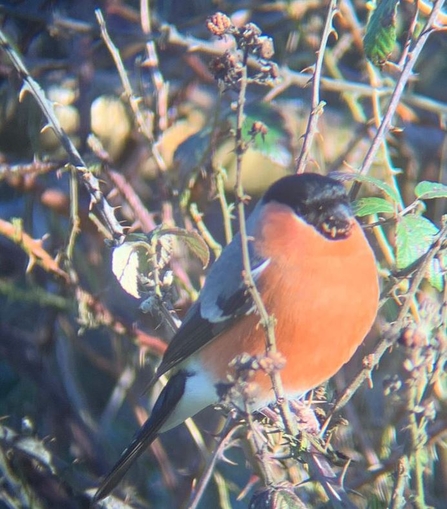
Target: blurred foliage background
[{"x": 77, "y": 349}]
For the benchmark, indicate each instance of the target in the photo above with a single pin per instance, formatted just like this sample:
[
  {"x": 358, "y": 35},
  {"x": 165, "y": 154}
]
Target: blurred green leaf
[
  {"x": 414, "y": 237},
  {"x": 192, "y": 239},
  {"x": 376, "y": 502},
  {"x": 191, "y": 156},
  {"x": 133, "y": 261},
  {"x": 383, "y": 186},
  {"x": 435, "y": 275},
  {"x": 8, "y": 379},
  {"x": 129, "y": 261},
  {"x": 373, "y": 205},
  {"x": 380, "y": 36},
  {"x": 426, "y": 190},
  {"x": 274, "y": 144},
  {"x": 275, "y": 498},
  {"x": 270, "y": 145}
]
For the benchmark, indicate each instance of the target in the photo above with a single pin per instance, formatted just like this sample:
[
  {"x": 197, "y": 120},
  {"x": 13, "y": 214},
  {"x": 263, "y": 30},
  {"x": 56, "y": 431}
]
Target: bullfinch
[{"x": 316, "y": 274}]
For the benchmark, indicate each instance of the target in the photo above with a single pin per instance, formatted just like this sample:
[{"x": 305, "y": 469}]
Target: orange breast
[{"x": 323, "y": 294}]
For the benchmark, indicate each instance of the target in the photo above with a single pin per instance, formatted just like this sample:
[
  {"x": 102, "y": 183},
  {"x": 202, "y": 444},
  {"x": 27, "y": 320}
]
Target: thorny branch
[
  {"x": 134, "y": 102},
  {"x": 32, "y": 247},
  {"x": 152, "y": 63},
  {"x": 88, "y": 179},
  {"x": 268, "y": 322},
  {"x": 316, "y": 106},
  {"x": 396, "y": 96},
  {"x": 226, "y": 440},
  {"x": 402, "y": 464},
  {"x": 322, "y": 471}
]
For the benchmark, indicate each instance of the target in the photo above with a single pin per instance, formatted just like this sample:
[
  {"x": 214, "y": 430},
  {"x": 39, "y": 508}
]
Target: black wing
[
  {"x": 166, "y": 402},
  {"x": 223, "y": 300}
]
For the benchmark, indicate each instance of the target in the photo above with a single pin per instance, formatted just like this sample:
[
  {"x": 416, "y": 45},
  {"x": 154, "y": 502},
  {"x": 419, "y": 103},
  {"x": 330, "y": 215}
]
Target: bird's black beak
[{"x": 337, "y": 221}]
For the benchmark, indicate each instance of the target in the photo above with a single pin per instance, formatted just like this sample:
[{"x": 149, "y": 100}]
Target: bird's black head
[{"x": 320, "y": 201}]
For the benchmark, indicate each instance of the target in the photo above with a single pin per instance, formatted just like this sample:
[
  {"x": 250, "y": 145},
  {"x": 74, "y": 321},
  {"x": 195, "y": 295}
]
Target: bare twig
[
  {"x": 289, "y": 77},
  {"x": 335, "y": 492},
  {"x": 416, "y": 440},
  {"x": 33, "y": 248},
  {"x": 209, "y": 239},
  {"x": 348, "y": 12},
  {"x": 301, "y": 79},
  {"x": 34, "y": 296},
  {"x": 403, "y": 473},
  {"x": 143, "y": 216},
  {"x": 34, "y": 168},
  {"x": 267, "y": 322},
  {"x": 352, "y": 100},
  {"x": 390, "y": 171},
  {"x": 161, "y": 87},
  {"x": 133, "y": 101},
  {"x": 74, "y": 219},
  {"x": 316, "y": 106},
  {"x": 226, "y": 440},
  {"x": 226, "y": 209}
]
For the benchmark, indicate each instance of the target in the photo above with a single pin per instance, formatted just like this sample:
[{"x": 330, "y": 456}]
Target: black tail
[{"x": 164, "y": 406}]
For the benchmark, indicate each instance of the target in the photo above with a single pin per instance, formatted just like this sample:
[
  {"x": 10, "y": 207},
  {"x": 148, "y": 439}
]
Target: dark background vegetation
[{"x": 75, "y": 349}]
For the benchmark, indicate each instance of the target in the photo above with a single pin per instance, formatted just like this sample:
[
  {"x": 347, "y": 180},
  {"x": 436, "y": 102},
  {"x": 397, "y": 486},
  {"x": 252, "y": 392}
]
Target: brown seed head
[
  {"x": 258, "y": 127},
  {"x": 266, "y": 48},
  {"x": 219, "y": 24}
]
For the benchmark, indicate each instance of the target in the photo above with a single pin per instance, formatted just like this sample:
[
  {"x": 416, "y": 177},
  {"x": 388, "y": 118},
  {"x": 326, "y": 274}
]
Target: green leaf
[
  {"x": 275, "y": 498},
  {"x": 133, "y": 261},
  {"x": 426, "y": 190},
  {"x": 191, "y": 155},
  {"x": 129, "y": 261},
  {"x": 373, "y": 205},
  {"x": 383, "y": 186},
  {"x": 376, "y": 502},
  {"x": 414, "y": 237},
  {"x": 274, "y": 144},
  {"x": 435, "y": 275},
  {"x": 380, "y": 37}
]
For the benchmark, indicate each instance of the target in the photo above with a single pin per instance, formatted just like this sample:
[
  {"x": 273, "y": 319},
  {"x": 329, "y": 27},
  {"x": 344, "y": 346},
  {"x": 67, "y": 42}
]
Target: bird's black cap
[{"x": 321, "y": 201}]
